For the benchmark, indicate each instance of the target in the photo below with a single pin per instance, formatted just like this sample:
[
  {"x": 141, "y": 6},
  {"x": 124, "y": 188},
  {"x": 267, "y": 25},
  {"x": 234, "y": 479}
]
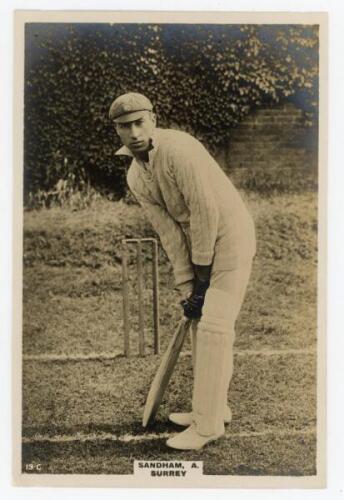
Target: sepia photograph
[{"x": 170, "y": 249}]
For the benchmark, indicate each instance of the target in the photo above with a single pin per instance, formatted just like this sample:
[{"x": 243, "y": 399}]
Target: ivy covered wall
[{"x": 203, "y": 78}]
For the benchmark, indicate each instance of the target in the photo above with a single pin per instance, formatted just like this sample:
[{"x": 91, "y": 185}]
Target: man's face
[{"x": 136, "y": 134}]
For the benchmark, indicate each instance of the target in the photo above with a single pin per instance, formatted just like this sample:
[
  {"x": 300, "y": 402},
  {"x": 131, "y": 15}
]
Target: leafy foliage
[{"x": 202, "y": 78}]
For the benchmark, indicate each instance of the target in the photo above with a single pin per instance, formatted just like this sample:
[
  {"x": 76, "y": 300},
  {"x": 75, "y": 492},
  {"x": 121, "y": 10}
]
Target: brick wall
[{"x": 271, "y": 138}]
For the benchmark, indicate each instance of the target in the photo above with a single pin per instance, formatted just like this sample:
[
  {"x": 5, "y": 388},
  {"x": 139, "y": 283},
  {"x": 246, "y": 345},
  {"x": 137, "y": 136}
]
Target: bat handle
[{"x": 185, "y": 322}]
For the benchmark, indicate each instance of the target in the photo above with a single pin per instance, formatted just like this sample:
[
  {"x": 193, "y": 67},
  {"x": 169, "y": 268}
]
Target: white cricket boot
[
  {"x": 211, "y": 380},
  {"x": 191, "y": 439},
  {"x": 186, "y": 419}
]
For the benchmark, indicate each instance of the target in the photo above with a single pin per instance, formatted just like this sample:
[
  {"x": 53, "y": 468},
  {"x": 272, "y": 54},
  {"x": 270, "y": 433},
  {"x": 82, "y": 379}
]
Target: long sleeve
[
  {"x": 171, "y": 236},
  {"x": 191, "y": 164}
]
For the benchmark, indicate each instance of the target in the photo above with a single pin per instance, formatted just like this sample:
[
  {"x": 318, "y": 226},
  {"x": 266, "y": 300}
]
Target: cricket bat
[{"x": 164, "y": 373}]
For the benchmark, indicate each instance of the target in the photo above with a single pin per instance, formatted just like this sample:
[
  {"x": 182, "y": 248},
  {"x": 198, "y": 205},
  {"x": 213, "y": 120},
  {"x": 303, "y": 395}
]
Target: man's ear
[{"x": 116, "y": 128}]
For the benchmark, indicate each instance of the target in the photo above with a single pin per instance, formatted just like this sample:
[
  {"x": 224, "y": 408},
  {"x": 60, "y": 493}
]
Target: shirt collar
[{"x": 124, "y": 150}]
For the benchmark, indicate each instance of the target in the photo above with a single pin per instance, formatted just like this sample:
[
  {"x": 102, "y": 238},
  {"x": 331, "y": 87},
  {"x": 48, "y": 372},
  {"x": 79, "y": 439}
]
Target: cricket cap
[{"x": 129, "y": 107}]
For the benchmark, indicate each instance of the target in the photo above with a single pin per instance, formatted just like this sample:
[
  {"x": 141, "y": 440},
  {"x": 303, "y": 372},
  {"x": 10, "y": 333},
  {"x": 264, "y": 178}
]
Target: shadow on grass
[{"x": 131, "y": 428}]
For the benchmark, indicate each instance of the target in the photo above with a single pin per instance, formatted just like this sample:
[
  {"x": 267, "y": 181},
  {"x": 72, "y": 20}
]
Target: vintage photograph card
[{"x": 170, "y": 235}]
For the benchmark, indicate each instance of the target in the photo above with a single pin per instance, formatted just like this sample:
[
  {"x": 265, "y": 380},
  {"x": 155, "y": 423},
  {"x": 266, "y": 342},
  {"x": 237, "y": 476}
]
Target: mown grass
[
  {"x": 96, "y": 395},
  {"x": 72, "y": 304}
]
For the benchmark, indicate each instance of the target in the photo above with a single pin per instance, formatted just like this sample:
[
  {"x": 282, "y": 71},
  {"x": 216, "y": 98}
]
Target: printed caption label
[{"x": 164, "y": 468}]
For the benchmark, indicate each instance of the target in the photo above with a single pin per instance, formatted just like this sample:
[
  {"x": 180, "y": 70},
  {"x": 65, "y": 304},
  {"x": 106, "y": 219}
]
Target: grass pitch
[{"x": 84, "y": 416}]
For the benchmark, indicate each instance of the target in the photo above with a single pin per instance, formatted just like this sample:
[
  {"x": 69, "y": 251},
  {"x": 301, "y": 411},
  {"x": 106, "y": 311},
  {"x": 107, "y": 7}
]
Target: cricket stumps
[{"x": 139, "y": 242}]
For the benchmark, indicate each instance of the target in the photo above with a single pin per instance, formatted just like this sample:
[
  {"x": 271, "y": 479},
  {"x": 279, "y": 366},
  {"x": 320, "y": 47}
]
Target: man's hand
[{"x": 193, "y": 304}]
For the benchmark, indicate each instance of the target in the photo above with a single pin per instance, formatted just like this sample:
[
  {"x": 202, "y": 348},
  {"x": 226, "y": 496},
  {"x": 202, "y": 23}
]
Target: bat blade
[{"x": 164, "y": 372}]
